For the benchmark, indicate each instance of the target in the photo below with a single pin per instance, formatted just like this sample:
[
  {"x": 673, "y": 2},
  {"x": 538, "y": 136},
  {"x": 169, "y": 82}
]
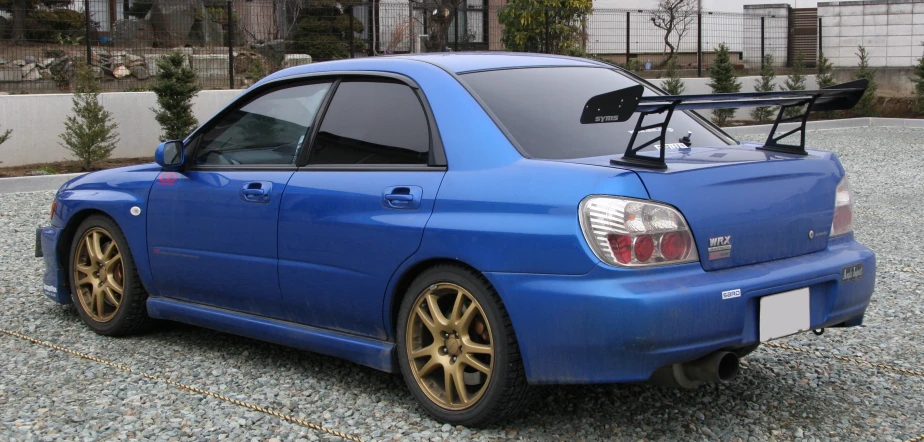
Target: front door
[
  {"x": 358, "y": 210},
  {"x": 212, "y": 228}
]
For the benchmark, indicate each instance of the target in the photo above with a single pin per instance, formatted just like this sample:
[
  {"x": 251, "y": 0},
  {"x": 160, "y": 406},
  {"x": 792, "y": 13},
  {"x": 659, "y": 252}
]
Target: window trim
[{"x": 437, "y": 158}]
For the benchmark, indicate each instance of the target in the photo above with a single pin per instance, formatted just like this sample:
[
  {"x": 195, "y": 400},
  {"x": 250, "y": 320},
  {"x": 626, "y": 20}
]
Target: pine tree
[
  {"x": 824, "y": 75},
  {"x": 765, "y": 84},
  {"x": 6, "y": 136},
  {"x": 672, "y": 84},
  {"x": 795, "y": 81},
  {"x": 918, "y": 81},
  {"x": 724, "y": 80},
  {"x": 866, "y": 107},
  {"x": 90, "y": 132},
  {"x": 175, "y": 87}
]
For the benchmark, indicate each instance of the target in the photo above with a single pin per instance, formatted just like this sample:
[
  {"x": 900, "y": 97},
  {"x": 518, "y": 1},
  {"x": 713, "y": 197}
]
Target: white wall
[
  {"x": 37, "y": 120},
  {"x": 708, "y": 5},
  {"x": 891, "y": 33}
]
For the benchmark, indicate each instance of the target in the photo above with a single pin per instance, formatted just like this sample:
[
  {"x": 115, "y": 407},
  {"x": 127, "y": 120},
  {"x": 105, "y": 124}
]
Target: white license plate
[{"x": 784, "y": 314}]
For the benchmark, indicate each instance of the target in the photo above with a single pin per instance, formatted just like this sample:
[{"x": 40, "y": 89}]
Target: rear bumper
[
  {"x": 46, "y": 247},
  {"x": 616, "y": 325}
]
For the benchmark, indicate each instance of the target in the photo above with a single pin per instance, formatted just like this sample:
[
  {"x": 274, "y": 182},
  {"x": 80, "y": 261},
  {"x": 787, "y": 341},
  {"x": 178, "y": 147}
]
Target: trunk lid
[{"x": 746, "y": 206}]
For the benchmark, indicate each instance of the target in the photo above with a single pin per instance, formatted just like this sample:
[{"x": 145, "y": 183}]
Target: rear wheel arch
[{"x": 408, "y": 277}]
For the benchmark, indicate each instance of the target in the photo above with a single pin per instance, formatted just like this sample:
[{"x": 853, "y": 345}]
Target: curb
[
  {"x": 827, "y": 125},
  {"x": 35, "y": 183}
]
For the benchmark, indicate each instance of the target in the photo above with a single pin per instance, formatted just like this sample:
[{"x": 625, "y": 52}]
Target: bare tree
[
  {"x": 439, "y": 15},
  {"x": 675, "y": 18}
]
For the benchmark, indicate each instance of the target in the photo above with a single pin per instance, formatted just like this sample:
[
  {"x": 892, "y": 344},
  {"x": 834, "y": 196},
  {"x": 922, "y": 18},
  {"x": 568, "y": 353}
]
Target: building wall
[{"x": 891, "y": 33}]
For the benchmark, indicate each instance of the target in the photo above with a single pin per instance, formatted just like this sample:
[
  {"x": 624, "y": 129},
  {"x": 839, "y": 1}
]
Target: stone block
[
  {"x": 875, "y": 20},
  {"x": 209, "y": 65},
  {"x": 899, "y": 40},
  {"x": 904, "y": 30},
  {"x": 295, "y": 60},
  {"x": 900, "y": 19},
  {"x": 875, "y": 9},
  {"x": 901, "y": 8}
]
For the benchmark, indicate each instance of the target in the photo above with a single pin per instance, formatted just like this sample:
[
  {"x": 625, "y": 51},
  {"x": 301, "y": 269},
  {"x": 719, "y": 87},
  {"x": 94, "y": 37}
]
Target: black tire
[
  {"x": 507, "y": 391},
  {"x": 746, "y": 350},
  {"x": 131, "y": 316}
]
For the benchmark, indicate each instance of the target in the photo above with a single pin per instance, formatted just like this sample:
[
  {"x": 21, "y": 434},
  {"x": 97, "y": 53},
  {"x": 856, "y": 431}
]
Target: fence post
[
  {"x": 699, "y": 44},
  {"x": 352, "y": 34},
  {"x": 548, "y": 48},
  {"x": 628, "y": 35},
  {"x": 763, "y": 41},
  {"x": 230, "y": 45},
  {"x": 456, "y": 42},
  {"x": 86, "y": 13}
]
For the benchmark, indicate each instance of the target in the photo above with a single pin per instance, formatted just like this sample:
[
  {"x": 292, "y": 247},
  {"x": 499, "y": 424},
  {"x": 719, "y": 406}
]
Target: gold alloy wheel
[
  {"x": 449, "y": 346},
  {"x": 99, "y": 274}
]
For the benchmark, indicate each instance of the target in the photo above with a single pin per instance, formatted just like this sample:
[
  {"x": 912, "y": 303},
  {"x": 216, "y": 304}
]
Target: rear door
[
  {"x": 359, "y": 207},
  {"x": 212, "y": 228}
]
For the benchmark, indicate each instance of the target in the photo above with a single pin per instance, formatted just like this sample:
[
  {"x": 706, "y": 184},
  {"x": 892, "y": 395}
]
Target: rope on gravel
[
  {"x": 182, "y": 386},
  {"x": 902, "y": 269}
]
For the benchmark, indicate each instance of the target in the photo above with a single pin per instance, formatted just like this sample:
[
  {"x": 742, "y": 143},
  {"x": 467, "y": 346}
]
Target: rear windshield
[{"x": 541, "y": 107}]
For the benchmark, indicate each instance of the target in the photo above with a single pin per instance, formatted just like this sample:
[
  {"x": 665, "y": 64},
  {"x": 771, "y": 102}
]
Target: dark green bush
[
  {"x": 140, "y": 8},
  {"x": 52, "y": 24},
  {"x": 323, "y": 31}
]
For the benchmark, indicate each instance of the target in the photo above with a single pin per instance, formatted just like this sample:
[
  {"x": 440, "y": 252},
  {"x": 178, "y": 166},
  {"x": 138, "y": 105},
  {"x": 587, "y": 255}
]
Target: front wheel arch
[{"x": 63, "y": 249}]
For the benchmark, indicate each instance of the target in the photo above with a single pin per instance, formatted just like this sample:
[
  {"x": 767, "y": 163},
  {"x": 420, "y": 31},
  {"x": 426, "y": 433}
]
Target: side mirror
[{"x": 170, "y": 154}]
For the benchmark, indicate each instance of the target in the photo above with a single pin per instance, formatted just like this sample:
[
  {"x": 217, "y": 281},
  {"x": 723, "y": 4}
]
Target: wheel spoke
[
  {"x": 447, "y": 382},
  {"x": 429, "y": 350},
  {"x": 428, "y": 321},
  {"x": 97, "y": 247},
  {"x": 476, "y": 364},
  {"x": 428, "y": 367},
  {"x": 110, "y": 296},
  {"x": 100, "y": 296},
  {"x": 435, "y": 312},
  {"x": 457, "y": 307},
  {"x": 472, "y": 347},
  {"x": 466, "y": 320},
  {"x": 87, "y": 271},
  {"x": 111, "y": 283},
  {"x": 115, "y": 259},
  {"x": 460, "y": 383},
  {"x": 109, "y": 249}
]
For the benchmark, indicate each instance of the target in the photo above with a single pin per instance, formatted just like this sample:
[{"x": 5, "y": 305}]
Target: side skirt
[{"x": 369, "y": 352}]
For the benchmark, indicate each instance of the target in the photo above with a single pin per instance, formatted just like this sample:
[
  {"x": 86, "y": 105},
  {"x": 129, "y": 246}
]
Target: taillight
[
  {"x": 54, "y": 205},
  {"x": 843, "y": 209},
  {"x": 632, "y": 233}
]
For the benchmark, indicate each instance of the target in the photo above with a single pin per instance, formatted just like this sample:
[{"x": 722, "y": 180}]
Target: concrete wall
[
  {"x": 891, "y": 32},
  {"x": 37, "y": 120}
]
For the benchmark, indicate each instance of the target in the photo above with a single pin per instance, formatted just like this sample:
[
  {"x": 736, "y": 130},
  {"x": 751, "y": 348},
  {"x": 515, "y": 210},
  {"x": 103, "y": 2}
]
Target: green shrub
[
  {"x": 525, "y": 23},
  {"x": 765, "y": 84},
  {"x": 6, "y": 135},
  {"x": 55, "y": 24},
  {"x": 866, "y": 107},
  {"x": 672, "y": 83},
  {"x": 175, "y": 86},
  {"x": 90, "y": 134},
  {"x": 918, "y": 80},
  {"x": 795, "y": 81},
  {"x": 724, "y": 81},
  {"x": 824, "y": 75}
]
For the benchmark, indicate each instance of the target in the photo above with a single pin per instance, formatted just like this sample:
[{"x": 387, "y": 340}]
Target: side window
[
  {"x": 267, "y": 130},
  {"x": 373, "y": 122}
]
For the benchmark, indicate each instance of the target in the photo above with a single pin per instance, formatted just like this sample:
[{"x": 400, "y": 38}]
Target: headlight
[
  {"x": 843, "y": 209},
  {"x": 633, "y": 233}
]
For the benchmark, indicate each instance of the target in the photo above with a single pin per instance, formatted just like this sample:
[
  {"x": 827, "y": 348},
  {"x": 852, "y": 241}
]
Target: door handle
[
  {"x": 257, "y": 192},
  {"x": 402, "y": 197},
  {"x": 396, "y": 197}
]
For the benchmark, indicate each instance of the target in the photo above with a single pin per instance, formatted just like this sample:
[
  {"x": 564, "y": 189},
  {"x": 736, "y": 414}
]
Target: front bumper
[
  {"x": 618, "y": 325},
  {"x": 53, "y": 282}
]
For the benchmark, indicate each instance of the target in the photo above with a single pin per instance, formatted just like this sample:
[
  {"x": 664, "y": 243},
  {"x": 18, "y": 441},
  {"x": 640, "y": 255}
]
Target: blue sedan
[{"x": 470, "y": 222}]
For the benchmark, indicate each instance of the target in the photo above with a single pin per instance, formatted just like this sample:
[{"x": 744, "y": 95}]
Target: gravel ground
[{"x": 780, "y": 395}]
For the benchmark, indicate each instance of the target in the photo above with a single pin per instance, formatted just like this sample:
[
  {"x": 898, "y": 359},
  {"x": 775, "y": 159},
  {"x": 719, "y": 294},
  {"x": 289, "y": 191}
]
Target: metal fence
[{"x": 232, "y": 43}]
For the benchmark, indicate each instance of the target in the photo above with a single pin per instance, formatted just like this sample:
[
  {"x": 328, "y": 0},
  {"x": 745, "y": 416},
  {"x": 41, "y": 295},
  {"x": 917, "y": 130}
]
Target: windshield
[{"x": 541, "y": 107}]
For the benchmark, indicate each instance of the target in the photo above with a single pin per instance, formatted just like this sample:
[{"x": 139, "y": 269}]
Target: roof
[{"x": 480, "y": 61}]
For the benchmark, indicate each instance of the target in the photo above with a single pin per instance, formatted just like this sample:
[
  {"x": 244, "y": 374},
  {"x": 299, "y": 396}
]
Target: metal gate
[{"x": 803, "y": 35}]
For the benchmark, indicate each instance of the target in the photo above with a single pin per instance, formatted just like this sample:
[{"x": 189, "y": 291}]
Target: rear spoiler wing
[{"x": 620, "y": 105}]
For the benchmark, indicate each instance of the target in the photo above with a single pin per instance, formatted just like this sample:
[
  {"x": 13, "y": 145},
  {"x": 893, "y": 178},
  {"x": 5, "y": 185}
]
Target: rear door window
[{"x": 373, "y": 122}]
